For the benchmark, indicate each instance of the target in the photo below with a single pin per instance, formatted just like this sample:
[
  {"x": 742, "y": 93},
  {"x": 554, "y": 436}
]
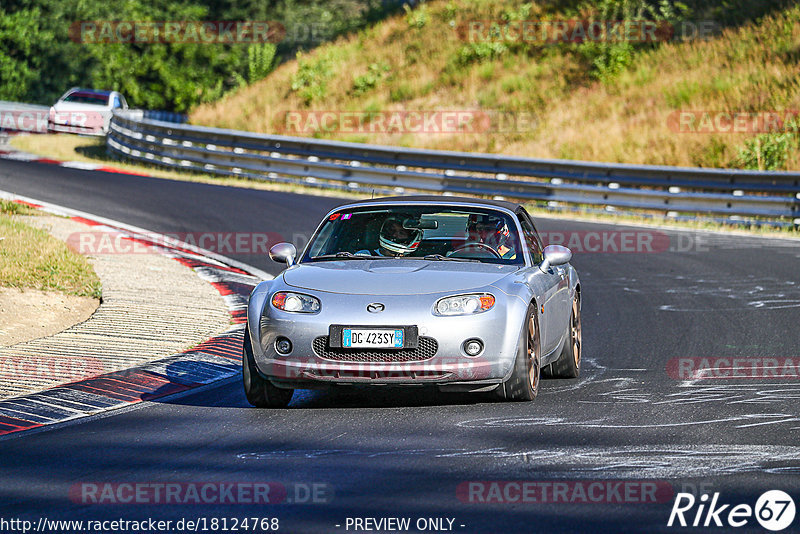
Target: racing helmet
[{"x": 397, "y": 238}]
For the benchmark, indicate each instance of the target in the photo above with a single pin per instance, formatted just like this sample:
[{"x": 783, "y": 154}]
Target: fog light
[
  {"x": 473, "y": 347},
  {"x": 283, "y": 345}
]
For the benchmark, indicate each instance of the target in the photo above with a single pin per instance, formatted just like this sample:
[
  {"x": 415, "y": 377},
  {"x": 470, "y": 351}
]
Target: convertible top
[{"x": 441, "y": 200}]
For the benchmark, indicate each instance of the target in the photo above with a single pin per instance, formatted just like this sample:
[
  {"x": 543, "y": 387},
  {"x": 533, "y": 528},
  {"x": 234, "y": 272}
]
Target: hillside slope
[{"x": 625, "y": 112}]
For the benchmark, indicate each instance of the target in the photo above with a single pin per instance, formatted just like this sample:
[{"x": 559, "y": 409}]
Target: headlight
[
  {"x": 464, "y": 304},
  {"x": 295, "y": 302}
]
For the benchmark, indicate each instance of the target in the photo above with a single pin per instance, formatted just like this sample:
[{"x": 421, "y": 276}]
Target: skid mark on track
[
  {"x": 598, "y": 462},
  {"x": 753, "y": 400},
  {"x": 609, "y": 423},
  {"x": 712, "y": 294},
  {"x": 693, "y": 393}
]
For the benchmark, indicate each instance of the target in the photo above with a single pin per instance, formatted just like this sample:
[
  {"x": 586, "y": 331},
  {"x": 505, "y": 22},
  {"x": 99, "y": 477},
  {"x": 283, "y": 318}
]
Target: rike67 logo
[{"x": 774, "y": 510}]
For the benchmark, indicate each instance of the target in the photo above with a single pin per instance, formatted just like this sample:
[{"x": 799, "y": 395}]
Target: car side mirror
[
  {"x": 283, "y": 253},
  {"x": 555, "y": 255}
]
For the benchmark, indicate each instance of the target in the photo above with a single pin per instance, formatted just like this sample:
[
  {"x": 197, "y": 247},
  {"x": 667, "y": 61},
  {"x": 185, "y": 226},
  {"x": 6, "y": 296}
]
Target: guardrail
[
  {"x": 156, "y": 115},
  {"x": 15, "y": 116},
  {"x": 16, "y": 106},
  {"x": 307, "y": 161},
  {"x": 33, "y": 118}
]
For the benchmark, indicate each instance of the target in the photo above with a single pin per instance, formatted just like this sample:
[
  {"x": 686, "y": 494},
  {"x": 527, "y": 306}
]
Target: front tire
[
  {"x": 523, "y": 384},
  {"x": 259, "y": 391},
  {"x": 568, "y": 364}
]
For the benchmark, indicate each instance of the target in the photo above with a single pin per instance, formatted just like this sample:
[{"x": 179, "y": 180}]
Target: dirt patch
[{"x": 30, "y": 314}]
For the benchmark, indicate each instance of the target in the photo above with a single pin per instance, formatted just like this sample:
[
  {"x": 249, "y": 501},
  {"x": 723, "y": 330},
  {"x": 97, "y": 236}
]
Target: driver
[
  {"x": 491, "y": 231},
  {"x": 395, "y": 239}
]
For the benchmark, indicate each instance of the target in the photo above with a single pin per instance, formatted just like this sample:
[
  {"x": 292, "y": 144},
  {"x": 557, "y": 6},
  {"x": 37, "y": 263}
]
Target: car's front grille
[{"x": 426, "y": 349}]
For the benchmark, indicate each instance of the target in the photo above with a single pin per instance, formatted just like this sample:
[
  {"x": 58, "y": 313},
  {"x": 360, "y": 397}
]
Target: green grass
[
  {"x": 31, "y": 258},
  {"x": 8, "y": 207}
]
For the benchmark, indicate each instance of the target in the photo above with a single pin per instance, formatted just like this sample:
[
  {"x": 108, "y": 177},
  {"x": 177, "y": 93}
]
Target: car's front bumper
[
  {"x": 498, "y": 329},
  {"x": 75, "y": 129}
]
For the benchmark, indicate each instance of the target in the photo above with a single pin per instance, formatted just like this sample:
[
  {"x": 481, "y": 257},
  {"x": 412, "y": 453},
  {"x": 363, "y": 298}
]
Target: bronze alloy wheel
[
  {"x": 523, "y": 384},
  {"x": 568, "y": 364},
  {"x": 576, "y": 330},
  {"x": 533, "y": 358}
]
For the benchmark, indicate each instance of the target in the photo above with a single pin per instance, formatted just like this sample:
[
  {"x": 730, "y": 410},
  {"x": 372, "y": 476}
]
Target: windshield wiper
[
  {"x": 439, "y": 257},
  {"x": 344, "y": 255}
]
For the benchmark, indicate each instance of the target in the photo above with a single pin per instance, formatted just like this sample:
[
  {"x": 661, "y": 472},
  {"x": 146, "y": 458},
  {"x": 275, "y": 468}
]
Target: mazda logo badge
[{"x": 375, "y": 307}]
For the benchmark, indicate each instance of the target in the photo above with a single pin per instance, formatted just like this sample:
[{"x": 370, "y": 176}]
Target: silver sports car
[{"x": 446, "y": 291}]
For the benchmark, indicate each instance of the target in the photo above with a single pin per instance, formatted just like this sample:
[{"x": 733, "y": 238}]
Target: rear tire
[
  {"x": 259, "y": 391},
  {"x": 568, "y": 364},
  {"x": 523, "y": 384}
]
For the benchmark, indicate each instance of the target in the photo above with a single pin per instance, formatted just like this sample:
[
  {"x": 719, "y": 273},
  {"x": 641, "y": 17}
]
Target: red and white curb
[{"x": 215, "y": 359}]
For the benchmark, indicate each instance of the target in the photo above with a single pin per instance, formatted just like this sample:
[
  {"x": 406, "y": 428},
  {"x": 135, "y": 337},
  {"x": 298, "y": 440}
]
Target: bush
[
  {"x": 368, "y": 81},
  {"x": 311, "y": 79},
  {"x": 608, "y": 58},
  {"x": 260, "y": 60},
  {"x": 416, "y": 18},
  {"x": 478, "y": 52},
  {"x": 23, "y": 53},
  {"x": 401, "y": 93},
  {"x": 767, "y": 152}
]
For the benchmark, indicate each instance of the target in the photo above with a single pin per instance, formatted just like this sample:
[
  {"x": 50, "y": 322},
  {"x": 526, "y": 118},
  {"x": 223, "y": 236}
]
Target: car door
[
  {"x": 563, "y": 302},
  {"x": 549, "y": 326}
]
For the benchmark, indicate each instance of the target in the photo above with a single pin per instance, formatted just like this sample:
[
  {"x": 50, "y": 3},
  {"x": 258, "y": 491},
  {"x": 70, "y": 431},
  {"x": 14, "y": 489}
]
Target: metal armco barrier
[
  {"x": 675, "y": 190},
  {"x": 17, "y": 117}
]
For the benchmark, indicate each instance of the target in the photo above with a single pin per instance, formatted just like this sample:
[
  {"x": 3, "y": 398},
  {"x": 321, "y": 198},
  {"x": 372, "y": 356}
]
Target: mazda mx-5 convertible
[{"x": 453, "y": 292}]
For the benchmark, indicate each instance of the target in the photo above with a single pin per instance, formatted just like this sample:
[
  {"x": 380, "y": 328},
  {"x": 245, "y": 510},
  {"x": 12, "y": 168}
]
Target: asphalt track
[{"x": 388, "y": 453}]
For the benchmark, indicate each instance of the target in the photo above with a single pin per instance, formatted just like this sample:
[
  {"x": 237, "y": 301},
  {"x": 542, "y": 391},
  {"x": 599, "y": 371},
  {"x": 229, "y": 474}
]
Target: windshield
[
  {"x": 422, "y": 232},
  {"x": 86, "y": 98}
]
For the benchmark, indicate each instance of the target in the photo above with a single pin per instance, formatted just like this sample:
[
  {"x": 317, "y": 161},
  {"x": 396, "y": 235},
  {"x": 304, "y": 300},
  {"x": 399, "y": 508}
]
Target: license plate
[{"x": 353, "y": 338}]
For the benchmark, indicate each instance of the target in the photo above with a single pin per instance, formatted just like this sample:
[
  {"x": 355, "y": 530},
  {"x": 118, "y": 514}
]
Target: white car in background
[{"x": 85, "y": 111}]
